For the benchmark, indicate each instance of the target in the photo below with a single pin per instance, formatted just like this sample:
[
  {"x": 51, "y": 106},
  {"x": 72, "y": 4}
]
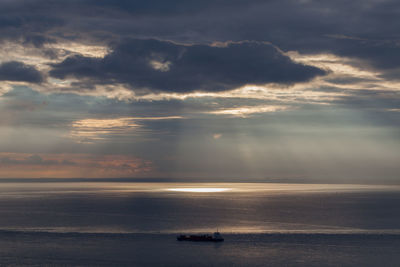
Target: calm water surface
[{"x": 135, "y": 224}]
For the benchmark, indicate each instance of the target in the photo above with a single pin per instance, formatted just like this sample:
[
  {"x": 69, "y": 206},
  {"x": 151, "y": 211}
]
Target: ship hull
[{"x": 199, "y": 238}]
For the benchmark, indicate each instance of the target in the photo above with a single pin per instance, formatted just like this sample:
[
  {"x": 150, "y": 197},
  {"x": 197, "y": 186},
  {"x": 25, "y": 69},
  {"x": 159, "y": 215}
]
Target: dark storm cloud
[
  {"x": 90, "y": 19},
  {"x": 306, "y": 26},
  {"x": 161, "y": 7},
  {"x": 18, "y": 71},
  {"x": 370, "y": 26},
  {"x": 380, "y": 54},
  {"x": 37, "y": 40},
  {"x": 29, "y": 22},
  {"x": 166, "y": 66}
]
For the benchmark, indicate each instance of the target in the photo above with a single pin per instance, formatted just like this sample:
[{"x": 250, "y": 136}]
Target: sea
[{"x": 105, "y": 223}]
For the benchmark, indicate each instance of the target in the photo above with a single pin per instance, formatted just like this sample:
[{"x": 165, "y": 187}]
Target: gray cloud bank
[
  {"x": 289, "y": 22},
  {"x": 18, "y": 71},
  {"x": 362, "y": 29},
  {"x": 166, "y": 66}
]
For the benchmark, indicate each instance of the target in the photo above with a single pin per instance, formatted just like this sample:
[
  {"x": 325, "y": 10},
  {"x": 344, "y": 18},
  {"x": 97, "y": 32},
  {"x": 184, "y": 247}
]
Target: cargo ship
[{"x": 216, "y": 237}]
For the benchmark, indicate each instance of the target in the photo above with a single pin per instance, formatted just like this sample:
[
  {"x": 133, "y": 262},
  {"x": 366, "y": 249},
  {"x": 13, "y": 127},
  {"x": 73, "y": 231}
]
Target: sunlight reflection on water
[
  {"x": 26, "y": 189},
  {"x": 200, "y": 190},
  {"x": 122, "y": 207}
]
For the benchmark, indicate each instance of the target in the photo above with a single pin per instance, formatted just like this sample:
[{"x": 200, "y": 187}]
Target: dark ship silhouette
[{"x": 216, "y": 237}]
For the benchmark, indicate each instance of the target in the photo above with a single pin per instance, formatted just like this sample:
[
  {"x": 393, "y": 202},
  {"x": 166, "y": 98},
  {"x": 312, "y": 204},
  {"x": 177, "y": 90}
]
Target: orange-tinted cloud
[{"x": 71, "y": 165}]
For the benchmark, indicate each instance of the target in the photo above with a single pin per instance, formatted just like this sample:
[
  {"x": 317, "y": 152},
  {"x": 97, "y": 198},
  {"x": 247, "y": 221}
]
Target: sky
[{"x": 224, "y": 89}]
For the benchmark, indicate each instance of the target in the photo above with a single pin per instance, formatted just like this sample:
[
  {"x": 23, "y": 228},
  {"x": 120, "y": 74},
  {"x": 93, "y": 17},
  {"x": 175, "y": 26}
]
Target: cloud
[
  {"x": 217, "y": 136},
  {"x": 71, "y": 165},
  {"x": 362, "y": 29},
  {"x": 334, "y": 65},
  {"x": 169, "y": 67},
  {"x": 91, "y": 130},
  {"x": 381, "y": 54},
  {"x": 18, "y": 71},
  {"x": 35, "y": 160},
  {"x": 247, "y": 111},
  {"x": 305, "y": 25}
]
